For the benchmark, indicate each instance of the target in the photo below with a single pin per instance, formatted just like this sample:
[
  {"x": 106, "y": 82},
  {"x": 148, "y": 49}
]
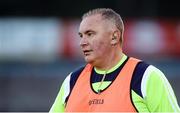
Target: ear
[{"x": 115, "y": 38}]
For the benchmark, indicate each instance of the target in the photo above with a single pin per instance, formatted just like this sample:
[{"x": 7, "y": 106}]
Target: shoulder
[
  {"x": 77, "y": 72},
  {"x": 158, "y": 91},
  {"x": 153, "y": 77},
  {"x": 137, "y": 77},
  {"x": 143, "y": 74},
  {"x": 70, "y": 80},
  {"x": 74, "y": 76},
  {"x": 154, "y": 74},
  {"x": 69, "y": 83}
]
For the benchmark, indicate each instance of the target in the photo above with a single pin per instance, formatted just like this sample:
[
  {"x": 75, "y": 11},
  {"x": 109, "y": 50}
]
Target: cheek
[{"x": 100, "y": 47}]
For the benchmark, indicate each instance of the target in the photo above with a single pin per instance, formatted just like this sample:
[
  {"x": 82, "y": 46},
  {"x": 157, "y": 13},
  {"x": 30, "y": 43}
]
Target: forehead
[
  {"x": 92, "y": 22},
  {"x": 92, "y": 18}
]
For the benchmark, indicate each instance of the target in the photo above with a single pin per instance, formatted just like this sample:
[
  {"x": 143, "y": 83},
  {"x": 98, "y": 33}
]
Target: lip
[{"x": 87, "y": 52}]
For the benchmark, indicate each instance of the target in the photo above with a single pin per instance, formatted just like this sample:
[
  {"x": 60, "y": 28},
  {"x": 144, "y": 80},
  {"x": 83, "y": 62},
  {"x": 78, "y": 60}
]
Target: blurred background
[{"x": 39, "y": 44}]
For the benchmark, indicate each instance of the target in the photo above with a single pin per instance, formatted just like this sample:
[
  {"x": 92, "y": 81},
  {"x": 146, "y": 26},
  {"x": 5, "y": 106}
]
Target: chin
[{"x": 89, "y": 60}]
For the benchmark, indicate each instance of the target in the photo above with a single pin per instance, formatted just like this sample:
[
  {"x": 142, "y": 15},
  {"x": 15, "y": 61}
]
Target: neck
[{"x": 110, "y": 61}]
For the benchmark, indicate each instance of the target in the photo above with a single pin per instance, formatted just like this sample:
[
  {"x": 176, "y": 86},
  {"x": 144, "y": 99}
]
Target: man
[{"x": 112, "y": 81}]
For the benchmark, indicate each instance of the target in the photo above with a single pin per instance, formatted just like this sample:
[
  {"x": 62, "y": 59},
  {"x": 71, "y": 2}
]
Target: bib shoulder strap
[
  {"x": 73, "y": 78},
  {"x": 137, "y": 77}
]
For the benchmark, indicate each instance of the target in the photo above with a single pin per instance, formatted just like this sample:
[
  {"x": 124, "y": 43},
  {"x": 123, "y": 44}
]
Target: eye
[
  {"x": 90, "y": 34},
  {"x": 80, "y": 35}
]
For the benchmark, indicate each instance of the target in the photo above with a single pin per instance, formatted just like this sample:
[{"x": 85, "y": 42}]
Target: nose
[{"x": 83, "y": 42}]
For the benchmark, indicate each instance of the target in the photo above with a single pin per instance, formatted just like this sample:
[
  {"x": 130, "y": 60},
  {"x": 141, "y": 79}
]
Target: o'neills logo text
[{"x": 96, "y": 101}]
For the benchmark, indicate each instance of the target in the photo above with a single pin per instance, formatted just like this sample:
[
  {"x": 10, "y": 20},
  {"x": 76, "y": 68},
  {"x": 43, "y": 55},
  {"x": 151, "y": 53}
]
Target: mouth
[{"x": 87, "y": 52}]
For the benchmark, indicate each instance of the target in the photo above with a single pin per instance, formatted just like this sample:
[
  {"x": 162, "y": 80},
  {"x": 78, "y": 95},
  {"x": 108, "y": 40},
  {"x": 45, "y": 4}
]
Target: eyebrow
[{"x": 86, "y": 32}]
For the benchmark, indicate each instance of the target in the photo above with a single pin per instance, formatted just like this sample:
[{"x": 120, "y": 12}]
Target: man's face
[{"x": 95, "y": 42}]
